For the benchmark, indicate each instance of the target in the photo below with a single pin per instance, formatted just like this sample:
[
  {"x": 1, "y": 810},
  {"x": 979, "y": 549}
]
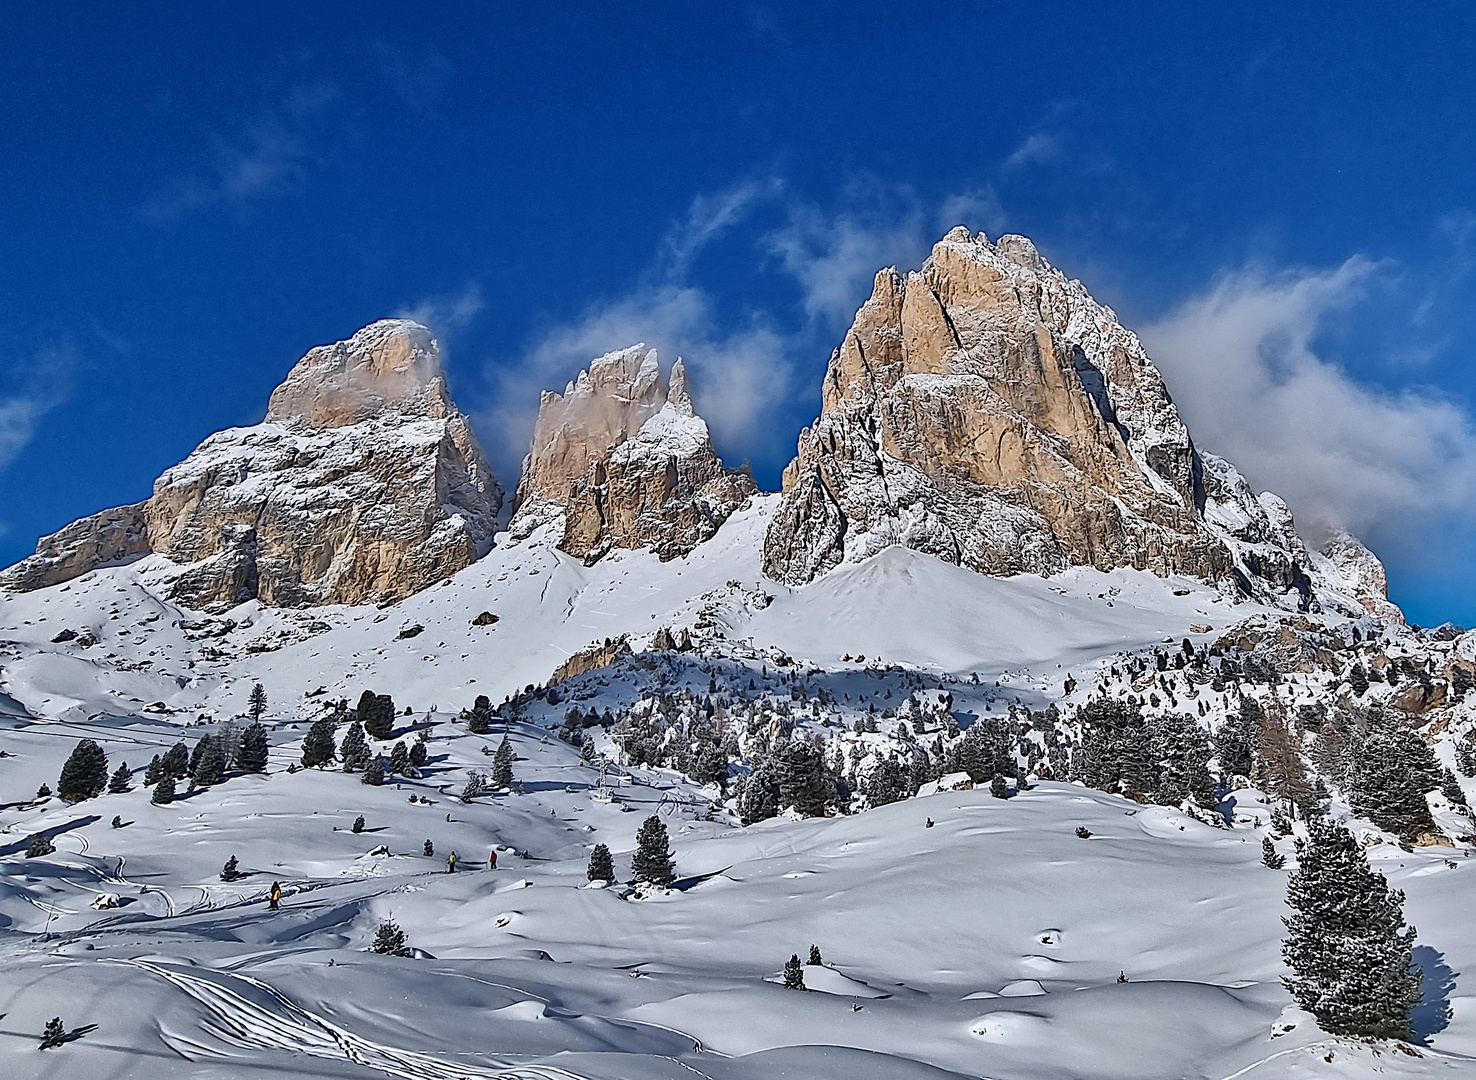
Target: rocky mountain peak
[
  {"x": 393, "y": 365},
  {"x": 363, "y": 484},
  {"x": 986, "y": 410},
  {"x": 622, "y": 460}
]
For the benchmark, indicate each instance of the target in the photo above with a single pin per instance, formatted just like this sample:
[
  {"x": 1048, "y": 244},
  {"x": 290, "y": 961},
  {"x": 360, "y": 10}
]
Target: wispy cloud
[
  {"x": 35, "y": 389},
  {"x": 446, "y": 315},
  {"x": 1038, "y": 148},
  {"x": 269, "y": 155},
  {"x": 1242, "y": 360}
]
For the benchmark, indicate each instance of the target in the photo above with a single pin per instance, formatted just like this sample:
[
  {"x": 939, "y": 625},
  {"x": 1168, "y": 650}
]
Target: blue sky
[{"x": 1278, "y": 197}]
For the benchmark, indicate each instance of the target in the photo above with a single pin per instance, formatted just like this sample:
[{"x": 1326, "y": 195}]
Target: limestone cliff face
[
  {"x": 364, "y": 484},
  {"x": 986, "y": 410},
  {"x": 623, "y": 461}
]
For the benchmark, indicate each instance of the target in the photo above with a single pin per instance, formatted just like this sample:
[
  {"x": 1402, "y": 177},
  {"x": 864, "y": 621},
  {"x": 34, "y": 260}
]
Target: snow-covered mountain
[
  {"x": 364, "y": 483},
  {"x": 861, "y": 707}
]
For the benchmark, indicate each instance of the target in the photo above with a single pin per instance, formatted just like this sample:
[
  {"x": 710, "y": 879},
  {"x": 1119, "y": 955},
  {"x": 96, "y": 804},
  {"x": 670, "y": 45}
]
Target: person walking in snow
[
  {"x": 492, "y": 860},
  {"x": 451, "y": 863},
  {"x": 275, "y": 896}
]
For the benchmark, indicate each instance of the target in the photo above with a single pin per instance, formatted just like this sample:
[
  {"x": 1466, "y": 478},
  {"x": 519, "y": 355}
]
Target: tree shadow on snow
[
  {"x": 1432, "y": 1014},
  {"x": 50, "y": 834}
]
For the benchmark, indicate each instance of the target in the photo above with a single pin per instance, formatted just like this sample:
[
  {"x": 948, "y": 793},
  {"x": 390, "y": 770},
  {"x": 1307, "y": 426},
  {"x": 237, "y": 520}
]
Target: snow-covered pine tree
[
  {"x": 418, "y": 752},
  {"x": 802, "y": 780},
  {"x": 652, "y": 859},
  {"x": 154, "y": 771},
  {"x": 1451, "y": 788},
  {"x": 760, "y": 798},
  {"x": 399, "y": 759},
  {"x": 1347, "y": 947},
  {"x": 1181, "y": 751},
  {"x": 257, "y": 702},
  {"x": 177, "y": 761},
  {"x": 479, "y": 720},
  {"x": 1465, "y": 754},
  {"x": 381, "y": 722},
  {"x": 1387, "y": 787},
  {"x": 317, "y": 746},
  {"x": 502, "y": 771},
  {"x": 1235, "y": 741},
  {"x": 39, "y": 846},
  {"x": 429, "y": 850},
  {"x": 122, "y": 780},
  {"x": 163, "y": 791},
  {"x": 210, "y": 767},
  {"x": 373, "y": 773},
  {"x": 389, "y": 939},
  {"x": 85, "y": 773},
  {"x": 231, "y": 871},
  {"x": 1116, "y": 754},
  {"x": 1270, "y": 857},
  {"x": 353, "y": 751},
  {"x": 358, "y": 825},
  {"x": 601, "y": 866},
  {"x": 201, "y": 745},
  {"x": 251, "y": 755},
  {"x": 814, "y": 960},
  {"x": 794, "y": 973}
]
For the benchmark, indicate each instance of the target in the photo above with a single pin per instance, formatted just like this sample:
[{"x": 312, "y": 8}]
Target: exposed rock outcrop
[
  {"x": 1359, "y": 573},
  {"x": 986, "y": 410},
  {"x": 623, "y": 461},
  {"x": 363, "y": 484}
]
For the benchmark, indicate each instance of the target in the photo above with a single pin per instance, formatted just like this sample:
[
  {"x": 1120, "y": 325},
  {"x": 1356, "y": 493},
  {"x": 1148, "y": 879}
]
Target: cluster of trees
[
  {"x": 651, "y": 863},
  {"x": 85, "y": 775},
  {"x": 1164, "y": 758},
  {"x": 373, "y": 720}
]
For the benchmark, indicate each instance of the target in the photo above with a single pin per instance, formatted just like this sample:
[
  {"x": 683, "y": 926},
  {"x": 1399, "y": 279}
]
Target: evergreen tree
[
  {"x": 760, "y": 798},
  {"x": 1280, "y": 771},
  {"x": 389, "y": 939},
  {"x": 163, "y": 791},
  {"x": 54, "y": 1034},
  {"x": 39, "y": 846},
  {"x": 1270, "y": 857},
  {"x": 794, "y": 974},
  {"x": 884, "y": 784},
  {"x": 154, "y": 771},
  {"x": 377, "y": 714},
  {"x": 251, "y": 755},
  {"x": 231, "y": 870},
  {"x": 122, "y": 780},
  {"x": 601, "y": 867},
  {"x": 354, "y": 750},
  {"x": 1450, "y": 787},
  {"x": 1116, "y": 754},
  {"x": 43, "y": 792},
  {"x": 502, "y": 772},
  {"x": 177, "y": 761},
  {"x": 399, "y": 759},
  {"x": 652, "y": 860},
  {"x": 999, "y": 787},
  {"x": 198, "y": 752},
  {"x": 317, "y": 746},
  {"x": 1387, "y": 785},
  {"x": 1465, "y": 754},
  {"x": 479, "y": 720},
  {"x": 418, "y": 752},
  {"x": 358, "y": 825},
  {"x": 258, "y": 702},
  {"x": 429, "y": 849},
  {"x": 1347, "y": 948},
  {"x": 85, "y": 774},
  {"x": 802, "y": 780},
  {"x": 814, "y": 960},
  {"x": 1181, "y": 751},
  {"x": 1235, "y": 741},
  {"x": 373, "y": 773},
  {"x": 210, "y": 767}
]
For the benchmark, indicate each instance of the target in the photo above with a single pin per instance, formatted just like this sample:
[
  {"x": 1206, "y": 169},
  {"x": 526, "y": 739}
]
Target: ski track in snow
[{"x": 285, "y": 1025}]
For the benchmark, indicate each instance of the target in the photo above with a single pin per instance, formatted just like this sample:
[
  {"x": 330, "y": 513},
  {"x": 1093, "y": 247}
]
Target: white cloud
[
  {"x": 1038, "y": 148},
  {"x": 40, "y": 387},
  {"x": 271, "y": 154},
  {"x": 709, "y": 217},
  {"x": 1242, "y": 362},
  {"x": 446, "y": 315}
]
